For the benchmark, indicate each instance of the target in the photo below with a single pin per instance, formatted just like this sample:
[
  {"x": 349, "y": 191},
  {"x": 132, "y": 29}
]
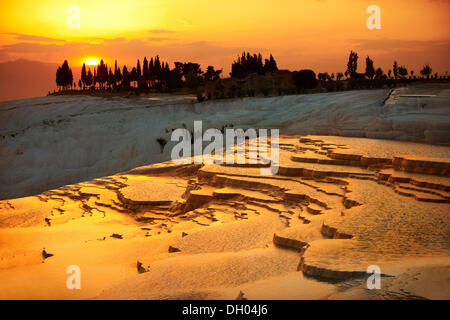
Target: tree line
[
  {"x": 158, "y": 75},
  {"x": 247, "y": 64},
  {"x": 397, "y": 72},
  {"x": 352, "y": 79},
  {"x": 155, "y": 74}
]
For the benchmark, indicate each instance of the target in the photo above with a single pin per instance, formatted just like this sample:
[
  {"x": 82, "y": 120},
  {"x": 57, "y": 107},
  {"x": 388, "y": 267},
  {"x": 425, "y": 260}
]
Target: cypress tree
[
  {"x": 138, "y": 71},
  {"x": 370, "y": 70},
  {"x": 83, "y": 75},
  {"x": 145, "y": 69},
  {"x": 395, "y": 69},
  {"x": 64, "y": 76},
  {"x": 352, "y": 64},
  {"x": 89, "y": 78},
  {"x": 125, "y": 77},
  {"x": 157, "y": 67},
  {"x": 273, "y": 64}
]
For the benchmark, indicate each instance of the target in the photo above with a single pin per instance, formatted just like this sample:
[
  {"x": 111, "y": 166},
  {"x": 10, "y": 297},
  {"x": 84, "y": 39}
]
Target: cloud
[
  {"x": 161, "y": 31},
  {"x": 127, "y": 51},
  {"x": 27, "y": 47},
  {"x": 33, "y": 38},
  {"x": 156, "y": 39}
]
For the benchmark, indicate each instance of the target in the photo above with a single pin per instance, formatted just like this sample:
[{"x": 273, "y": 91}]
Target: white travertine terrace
[
  {"x": 53, "y": 141},
  {"x": 211, "y": 231}
]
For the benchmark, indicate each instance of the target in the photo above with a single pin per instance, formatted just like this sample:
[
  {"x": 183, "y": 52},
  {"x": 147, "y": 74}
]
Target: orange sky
[{"x": 316, "y": 34}]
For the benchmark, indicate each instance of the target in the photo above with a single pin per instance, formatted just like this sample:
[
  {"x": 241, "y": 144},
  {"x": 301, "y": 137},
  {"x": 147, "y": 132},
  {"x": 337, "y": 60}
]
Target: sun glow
[{"x": 92, "y": 61}]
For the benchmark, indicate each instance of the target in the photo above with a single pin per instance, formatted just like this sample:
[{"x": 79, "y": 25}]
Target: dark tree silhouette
[
  {"x": 151, "y": 71},
  {"x": 110, "y": 78},
  {"x": 157, "y": 76},
  {"x": 323, "y": 76},
  {"x": 352, "y": 64},
  {"x": 102, "y": 74},
  {"x": 211, "y": 74},
  {"x": 64, "y": 77},
  {"x": 305, "y": 79},
  {"x": 247, "y": 64},
  {"x": 426, "y": 71},
  {"x": 270, "y": 65},
  {"x": 402, "y": 72},
  {"x": 370, "y": 70},
  {"x": 156, "y": 68},
  {"x": 89, "y": 78},
  {"x": 176, "y": 76},
  {"x": 145, "y": 70},
  {"x": 117, "y": 74},
  {"x": 395, "y": 70},
  {"x": 133, "y": 75},
  {"x": 138, "y": 71},
  {"x": 238, "y": 70},
  {"x": 125, "y": 77},
  {"x": 379, "y": 74},
  {"x": 191, "y": 72},
  {"x": 83, "y": 75}
]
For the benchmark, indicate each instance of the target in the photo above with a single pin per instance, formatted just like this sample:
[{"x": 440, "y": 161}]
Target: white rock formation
[{"x": 52, "y": 141}]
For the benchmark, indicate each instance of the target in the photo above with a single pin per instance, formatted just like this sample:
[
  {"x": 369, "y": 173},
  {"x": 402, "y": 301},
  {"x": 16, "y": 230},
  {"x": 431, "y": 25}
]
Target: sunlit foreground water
[{"x": 337, "y": 206}]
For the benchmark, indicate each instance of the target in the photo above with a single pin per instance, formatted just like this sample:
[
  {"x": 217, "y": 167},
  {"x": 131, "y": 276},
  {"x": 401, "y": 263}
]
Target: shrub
[{"x": 305, "y": 79}]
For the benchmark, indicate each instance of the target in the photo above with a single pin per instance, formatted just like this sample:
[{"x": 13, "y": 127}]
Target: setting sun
[{"x": 92, "y": 61}]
